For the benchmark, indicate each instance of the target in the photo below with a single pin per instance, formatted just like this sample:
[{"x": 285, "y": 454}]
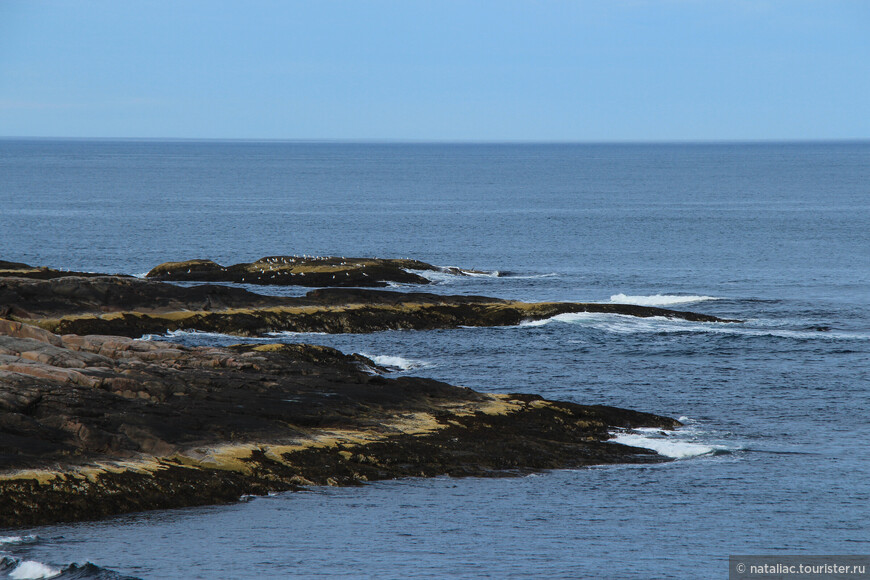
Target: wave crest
[
  {"x": 17, "y": 569},
  {"x": 397, "y": 363},
  {"x": 13, "y": 540},
  {"x": 659, "y": 299},
  {"x": 677, "y": 444},
  {"x": 27, "y": 569},
  {"x": 621, "y": 323},
  {"x": 626, "y": 324},
  {"x": 446, "y": 274}
]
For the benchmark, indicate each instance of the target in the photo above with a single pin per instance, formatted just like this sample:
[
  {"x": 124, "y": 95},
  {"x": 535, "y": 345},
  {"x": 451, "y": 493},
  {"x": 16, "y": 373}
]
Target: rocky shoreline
[
  {"x": 94, "y": 422},
  {"x": 133, "y": 307}
]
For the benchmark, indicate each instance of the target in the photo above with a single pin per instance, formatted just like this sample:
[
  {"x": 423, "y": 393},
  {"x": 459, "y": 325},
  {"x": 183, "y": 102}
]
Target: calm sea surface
[{"x": 774, "y": 458}]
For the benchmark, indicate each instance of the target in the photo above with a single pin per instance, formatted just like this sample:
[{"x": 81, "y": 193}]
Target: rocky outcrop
[
  {"x": 21, "y": 270},
  {"x": 95, "y": 423},
  {"x": 92, "y": 426},
  {"x": 132, "y": 307},
  {"x": 299, "y": 271},
  {"x": 33, "y": 299}
]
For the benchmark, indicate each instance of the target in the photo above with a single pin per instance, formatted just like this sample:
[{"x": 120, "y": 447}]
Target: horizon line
[{"x": 407, "y": 141}]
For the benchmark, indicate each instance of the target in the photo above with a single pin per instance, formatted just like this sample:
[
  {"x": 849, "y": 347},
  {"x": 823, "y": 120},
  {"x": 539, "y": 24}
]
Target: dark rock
[
  {"x": 154, "y": 425},
  {"x": 297, "y": 271},
  {"x": 21, "y": 270},
  {"x": 94, "y": 424},
  {"x": 133, "y": 307}
]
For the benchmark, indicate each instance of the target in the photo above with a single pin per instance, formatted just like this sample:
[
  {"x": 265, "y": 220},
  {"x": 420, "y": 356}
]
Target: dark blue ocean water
[{"x": 774, "y": 458}]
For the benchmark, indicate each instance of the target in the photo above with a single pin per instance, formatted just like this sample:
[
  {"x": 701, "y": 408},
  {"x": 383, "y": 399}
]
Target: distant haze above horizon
[{"x": 451, "y": 70}]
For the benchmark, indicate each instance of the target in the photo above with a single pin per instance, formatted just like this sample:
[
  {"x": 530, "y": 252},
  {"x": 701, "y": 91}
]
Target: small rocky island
[
  {"x": 94, "y": 422},
  {"x": 316, "y": 271}
]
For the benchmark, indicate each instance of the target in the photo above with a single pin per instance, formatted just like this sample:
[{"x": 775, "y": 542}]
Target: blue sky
[{"x": 532, "y": 70}]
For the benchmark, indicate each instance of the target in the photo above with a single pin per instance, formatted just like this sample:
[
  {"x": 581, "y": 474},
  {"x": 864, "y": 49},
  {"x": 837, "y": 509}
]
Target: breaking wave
[
  {"x": 450, "y": 274},
  {"x": 518, "y": 276},
  {"x": 397, "y": 363},
  {"x": 622, "y": 323},
  {"x": 203, "y": 338},
  {"x": 676, "y": 444},
  {"x": 26, "y": 569},
  {"x": 179, "y": 335},
  {"x": 659, "y": 299},
  {"x": 14, "y": 540},
  {"x": 19, "y": 569},
  {"x": 480, "y": 274},
  {"x": 626, "y": 324}
]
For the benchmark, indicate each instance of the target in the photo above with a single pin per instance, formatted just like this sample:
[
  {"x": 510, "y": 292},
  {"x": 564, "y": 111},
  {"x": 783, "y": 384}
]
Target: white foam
[
  {"x": 186, "y": 333},
  {"x": 451, "y": 273},
  {"x": 478, "y": 274},
  {"x": 667, "y": 446},
  {"x": 626, "y": 324},
  {"x": 659, "y": 299},
  {"x": 33, "y": 570},
  {"x": 11, "y": 540},
  {"x": 685, "y": 442},
  {"x": 219, "y": 336},
  {"x": 542, "y": 322},
  {"x": 436, "y": 276},
  {"x": 621, "y": 323},
  {"x": 397, "y": 362},
  {"x": 530, "y": 276},
  {"x": 804, "y": 334},
  {"x": 288, "y": 334}
]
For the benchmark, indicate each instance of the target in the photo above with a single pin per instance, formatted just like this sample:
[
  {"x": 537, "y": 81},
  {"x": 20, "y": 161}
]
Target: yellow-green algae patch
[{"x": 236, "y": 457}]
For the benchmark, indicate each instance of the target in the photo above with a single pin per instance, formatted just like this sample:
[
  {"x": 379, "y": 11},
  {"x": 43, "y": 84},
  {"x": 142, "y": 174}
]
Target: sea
[{"x": 774, "y": 455}]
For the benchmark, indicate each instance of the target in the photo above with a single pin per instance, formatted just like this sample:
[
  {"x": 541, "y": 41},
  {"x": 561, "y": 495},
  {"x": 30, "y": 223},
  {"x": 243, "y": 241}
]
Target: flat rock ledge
[
  {"x": 94, "y": 426},
  {"x": 21, "y": 270},
  {"x": 133, "y": 307}
]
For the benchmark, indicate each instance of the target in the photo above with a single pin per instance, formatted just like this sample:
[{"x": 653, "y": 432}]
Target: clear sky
[{"x": 561, "y": 70}]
